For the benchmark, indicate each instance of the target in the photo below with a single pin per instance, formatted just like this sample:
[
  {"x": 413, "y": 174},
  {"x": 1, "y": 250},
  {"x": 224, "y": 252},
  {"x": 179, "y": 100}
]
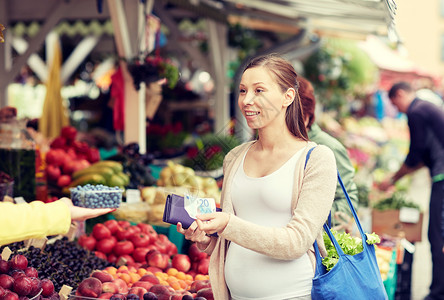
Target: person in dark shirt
[{"x": 426, "y": 125}]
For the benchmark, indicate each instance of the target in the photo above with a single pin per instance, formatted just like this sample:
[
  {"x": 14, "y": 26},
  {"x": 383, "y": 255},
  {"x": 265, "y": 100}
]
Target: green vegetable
[
  {"x": 350, "y": 245},
  {"x": 396, "y": 201}
]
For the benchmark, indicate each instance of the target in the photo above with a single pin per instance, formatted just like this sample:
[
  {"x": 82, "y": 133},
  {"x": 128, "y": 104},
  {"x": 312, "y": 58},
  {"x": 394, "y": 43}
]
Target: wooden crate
[{"x": 387, "y": 222}]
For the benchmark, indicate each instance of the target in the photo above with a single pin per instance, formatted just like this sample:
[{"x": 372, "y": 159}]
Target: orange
[
  {"x": 111, "y": 270},
  {"x": 123, "y": 269},
  {"x": 175, "y": 285},
  {"x": 189, "y": 277},
  {"x": 200, "y": 277},
  {"x": 126, "y": 277},
  {"x": 134, "y": 277},
  {"x": 163, "y": 282},
  {"x": 142, "y": 271},
  {"x": 183, "y": 284}
]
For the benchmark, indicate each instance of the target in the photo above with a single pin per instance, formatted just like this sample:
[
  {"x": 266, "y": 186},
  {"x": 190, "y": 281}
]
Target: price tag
[
  {"x": 64, "y": 292},
  {"x": 6, "y": 253},
  {"x": 121, "y": 261},
  {"x": 37, "y": 243},
  {"x": 8, "y": 199},
  {"x": 72, "y": 232},
  {"x": 409, "y": 215},
  {"x": 19, "y": 200},
  {"x": 133, "y": 196}
]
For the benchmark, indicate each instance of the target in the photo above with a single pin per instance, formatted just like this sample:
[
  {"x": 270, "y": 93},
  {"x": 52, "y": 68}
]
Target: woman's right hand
[{"x": 193, "y": 233}]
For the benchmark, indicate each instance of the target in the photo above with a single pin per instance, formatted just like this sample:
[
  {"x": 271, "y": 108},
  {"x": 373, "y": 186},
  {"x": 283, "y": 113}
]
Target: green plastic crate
[{"x": 390, "y": 282}]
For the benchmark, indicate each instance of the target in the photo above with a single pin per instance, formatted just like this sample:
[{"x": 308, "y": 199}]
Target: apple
[
  {"x": 6, "y": 281},
  {"x": 58, "y": 143},
  {"x": 102, "y": 276},
  {"x": 22, "y": 286},
  {"x": 55, "y": 157},
  {"x": 68, "y": 166},
  {"x": 110, "y": 287},
  {"x": 47, "y": 287},
  {"x": 157, "y": 259},
  {"x": 69, "y": 133},
  {"x": 81, "y": 164},
  {"x": 4, "y": 266},
  {"x": 139, "y": 291},
  {"x": 121, "y": 285},
  {"x": 181, "y": 262},
  {"x": 90, "y": 287},
  {"x": 171, "y": 249},
  {"x": 93, "y": 155},
  {"x": 31, "y": 272}
]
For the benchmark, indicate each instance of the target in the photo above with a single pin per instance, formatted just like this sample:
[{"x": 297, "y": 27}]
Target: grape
[
  {"x": 132, "y": 297},
  {"x": 96, "y": 196}
]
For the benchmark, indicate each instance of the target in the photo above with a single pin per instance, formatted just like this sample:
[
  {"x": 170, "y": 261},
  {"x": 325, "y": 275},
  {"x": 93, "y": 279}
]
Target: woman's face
[{"x": 261, "y": 99}]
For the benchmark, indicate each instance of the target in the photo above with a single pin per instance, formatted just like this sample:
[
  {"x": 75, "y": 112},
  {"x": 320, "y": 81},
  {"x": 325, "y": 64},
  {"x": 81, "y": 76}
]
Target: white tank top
[{"x": 265, "y": 201}]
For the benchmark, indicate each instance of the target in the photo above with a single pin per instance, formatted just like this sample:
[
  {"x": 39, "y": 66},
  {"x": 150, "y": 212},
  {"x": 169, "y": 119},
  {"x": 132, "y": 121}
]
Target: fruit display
[
  {"x": 63, "y": 262},
  {"x": 143, "y": 283},
  {"x": 66, "y": 156},
  {"x": 96, "y": 196},
  {"x": 18, "y": 280},
  {"x": 106, "y": 172},
  {"x": 384, "y": 258}
]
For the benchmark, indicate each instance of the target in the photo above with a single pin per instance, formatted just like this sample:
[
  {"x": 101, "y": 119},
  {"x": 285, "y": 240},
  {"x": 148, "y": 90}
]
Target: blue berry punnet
[{"x": 96, "y": 196}]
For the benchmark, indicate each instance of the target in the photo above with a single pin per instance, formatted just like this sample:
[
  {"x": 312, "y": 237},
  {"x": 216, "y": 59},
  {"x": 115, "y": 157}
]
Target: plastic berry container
[{"x": 96, "y": 196}]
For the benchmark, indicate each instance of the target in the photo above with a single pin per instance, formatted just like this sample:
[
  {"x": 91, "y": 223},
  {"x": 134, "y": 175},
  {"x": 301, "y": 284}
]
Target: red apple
[
  {"x": 102, "y": 276},
  {"x": 22, "y": 286},
  {"x": 6, "y": 281},
  {"x": 195, "y": 254},
  {"x": 93, "y": 155},
  {"x": 90, "y": 287},
  {"x": 181, "y": 262},
  {"x": 81, "y": 164},
  {"x": 171, "y": 249},
  {"x": 157, "y": 259},
  {"x": 47, "y": 287},
  {"x": 17, "y": 273},
  {"x": 121, "y": 285},
  {"x": 197, "y": 285},
  {"x": 206, "y": 293},
  {"x": 68, "y": 166},
  {"x": 69, "y": 133}
]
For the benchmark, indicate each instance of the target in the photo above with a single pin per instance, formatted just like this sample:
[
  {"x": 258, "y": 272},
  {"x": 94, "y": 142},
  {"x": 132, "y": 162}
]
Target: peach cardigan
[{"x": 313, "y": 195}]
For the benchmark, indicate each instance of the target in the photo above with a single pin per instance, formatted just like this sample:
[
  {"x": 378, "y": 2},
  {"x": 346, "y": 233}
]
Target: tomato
[
  {"x": 161, "y": 246},
  {"x": 100, "y": 232},
  {"x": 140, "y": 240},
  {"x": 163, "y": 238},
  {"x": 106, "y": 245},
  {"x": 149, "y": 230},
  {"x": 100, "y": 254},
  {"x": 124, "y": 224},
  {"x": 135, "y": 229},
  {"x": 87, "y": 242},
  {"x": 112, "y": 225},
  {"x": 69, "y": 133},
  {"x": 112, "y": 258},
  {"x": 128, "y": 259},
  {"x": 140, "y": 253},
  {"x": 123, "y": 234},
  {"x": 171, "y": 249},
  {"x": 123, "y": 247}
]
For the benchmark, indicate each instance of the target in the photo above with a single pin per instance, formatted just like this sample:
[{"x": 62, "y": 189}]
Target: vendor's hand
[
  {"x": 193, "y": 233},
  {"x": 213, "y": 222},
  {"x": 385, "y": 184},
  {"x": 82, "y": 213}
]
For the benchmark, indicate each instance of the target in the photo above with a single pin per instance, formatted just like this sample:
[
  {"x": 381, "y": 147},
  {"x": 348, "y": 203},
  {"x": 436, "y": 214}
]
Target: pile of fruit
[
  {"x": 20, "y": 281},
  {"x": 130, "y": 283},
  {"x": 96, "y": 196},
  {"x": 63, "y": 262},
  {"x": 66, "y": 156}
]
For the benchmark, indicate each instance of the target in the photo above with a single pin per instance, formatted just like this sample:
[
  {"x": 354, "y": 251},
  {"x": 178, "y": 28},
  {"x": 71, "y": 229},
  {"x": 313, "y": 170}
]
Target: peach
[
  {"x": 145, "y": 284},
  {"x": 121, "y": 285},
  {"x": 102, "y": 276},
  {"x": 90, "y": 287},
  {"x": 105, "y": 295},
  {"x": 150, "y": 278},
  {"x": 139, "y": 291},
  {"x": 110, "y": 287},
  {"x": 207, "y": 293}
]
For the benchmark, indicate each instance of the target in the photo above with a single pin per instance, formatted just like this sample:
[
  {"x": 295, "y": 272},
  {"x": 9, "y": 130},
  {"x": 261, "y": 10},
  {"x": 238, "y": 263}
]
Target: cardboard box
[{"x": 388, "y": 222}]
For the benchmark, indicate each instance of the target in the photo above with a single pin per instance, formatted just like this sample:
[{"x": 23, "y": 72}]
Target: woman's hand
[
  {"x": 193, "y": 233},
  {"x": 83, "y": 213},
  {"x": 213, "y": 222}
]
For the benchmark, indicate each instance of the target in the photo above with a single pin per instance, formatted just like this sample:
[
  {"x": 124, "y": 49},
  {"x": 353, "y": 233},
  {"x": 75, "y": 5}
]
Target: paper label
[
  {"x": 409, "y": 247},
  {"x": 37, "y": 243},
  {"x": 408, "y": 215},
  {"x": 198, "y": 206},
  {"x": 19, "y": 200},
  {"x": 64, "y": 292},
  {"x": 133, "y": 196},
  {"x": 6, "y": 253}
]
